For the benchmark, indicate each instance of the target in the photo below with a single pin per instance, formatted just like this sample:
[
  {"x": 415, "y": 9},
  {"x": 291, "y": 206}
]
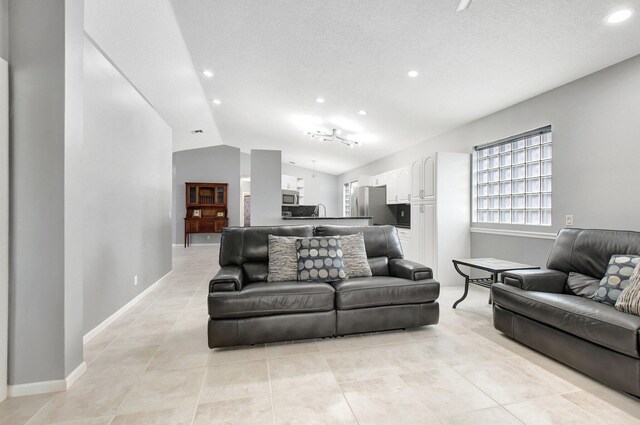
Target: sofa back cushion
[
  {"x": 381, "y": 243},
  {"x": 248, "y": 247},
  {"x": 588, "y": 251}
]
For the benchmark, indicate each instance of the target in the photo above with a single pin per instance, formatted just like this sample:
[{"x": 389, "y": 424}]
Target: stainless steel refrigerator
[{"x": 372, "y": 202}]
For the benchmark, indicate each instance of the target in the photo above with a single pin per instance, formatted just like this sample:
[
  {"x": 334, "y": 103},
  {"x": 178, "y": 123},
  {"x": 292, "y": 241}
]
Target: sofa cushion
[
  {"x": 383, "y": 290},
  {"x": 380, "y": 241},
  {"x": 596, "y": 322},
  {"x": 283, "y": 259},
  {"x": 588, "y": 251},
  {"x": 240, "y": 245},
  {"x": 616, "y": 278},
  {"x": 265, "y": 299},
  {"x": 320, "y": 259}
]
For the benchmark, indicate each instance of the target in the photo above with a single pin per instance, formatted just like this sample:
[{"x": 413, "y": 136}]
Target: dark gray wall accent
[
  {"x": 595, "y": 147},
  {"x": 127, "y": 182},
  {"x": 217, "y": 164},
  {"x": 43, "y": 57}
]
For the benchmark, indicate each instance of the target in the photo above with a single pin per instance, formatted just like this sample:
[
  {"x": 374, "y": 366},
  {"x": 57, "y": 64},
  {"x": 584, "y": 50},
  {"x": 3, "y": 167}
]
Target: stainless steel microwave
[{"x": 290, "y": 197}]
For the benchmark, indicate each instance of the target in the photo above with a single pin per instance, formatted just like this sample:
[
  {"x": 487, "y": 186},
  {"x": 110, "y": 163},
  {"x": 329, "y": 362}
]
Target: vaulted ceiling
[{"x": 272, "y": 59}]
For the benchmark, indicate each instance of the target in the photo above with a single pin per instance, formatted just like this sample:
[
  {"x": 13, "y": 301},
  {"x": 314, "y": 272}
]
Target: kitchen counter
[
  {"x": 316, "y": 221},
  {"x": 328, "y": 218}
]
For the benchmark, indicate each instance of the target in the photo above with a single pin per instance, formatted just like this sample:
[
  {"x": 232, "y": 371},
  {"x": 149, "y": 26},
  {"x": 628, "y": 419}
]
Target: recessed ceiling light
[
  {"x": 619, "y": 16},
  {"x": 319, "y": 100},
  {"x": 216, "y": 101},
  {"x": 412, "y": 74},
  {"x": 362, "y": 112},
  {"x": 207, "y": 73}
]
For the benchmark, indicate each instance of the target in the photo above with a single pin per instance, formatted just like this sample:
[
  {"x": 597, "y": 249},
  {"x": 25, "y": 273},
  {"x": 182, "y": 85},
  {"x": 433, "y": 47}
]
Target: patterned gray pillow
[
  {"x": 355, "y": 256},
  {"x": 320, "y": 259},
  {"x": 616, "y": 278},
  {"x": 283, "y": 259}
]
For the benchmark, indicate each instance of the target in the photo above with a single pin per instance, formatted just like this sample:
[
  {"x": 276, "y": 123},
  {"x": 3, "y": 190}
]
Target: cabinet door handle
[
  {"x": 408, "y": 197},
  {"x": 396, "y": 198}
]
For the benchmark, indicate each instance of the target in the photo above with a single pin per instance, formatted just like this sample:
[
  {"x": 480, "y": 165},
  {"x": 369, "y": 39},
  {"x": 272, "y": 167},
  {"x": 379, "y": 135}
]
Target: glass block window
[
  {"x": 346, "y": 191},
  {"x": 513, "y": 180}
]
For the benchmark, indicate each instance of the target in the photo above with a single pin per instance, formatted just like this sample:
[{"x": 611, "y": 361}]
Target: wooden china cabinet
[{"x": 206, "y": 205}]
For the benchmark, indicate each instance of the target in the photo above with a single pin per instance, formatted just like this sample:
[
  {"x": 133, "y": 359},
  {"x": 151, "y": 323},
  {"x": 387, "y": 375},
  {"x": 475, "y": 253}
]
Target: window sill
[{"x": 517, "y": 233}]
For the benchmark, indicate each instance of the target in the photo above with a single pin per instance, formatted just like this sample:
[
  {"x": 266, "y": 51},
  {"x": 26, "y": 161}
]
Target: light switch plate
[{"x": 568, "y": 220}]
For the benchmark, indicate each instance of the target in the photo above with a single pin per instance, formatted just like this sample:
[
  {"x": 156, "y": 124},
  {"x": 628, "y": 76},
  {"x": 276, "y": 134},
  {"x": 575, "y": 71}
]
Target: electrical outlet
[
  {"x": 401, "y": 213},
  {"x": 135, "y": 280},
  {"x": 208, "y": 236},
  {"x": 568, "y": 220}
]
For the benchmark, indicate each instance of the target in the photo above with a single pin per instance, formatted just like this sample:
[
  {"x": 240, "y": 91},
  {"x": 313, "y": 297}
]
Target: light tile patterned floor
[{"x": 153, "y": 366}]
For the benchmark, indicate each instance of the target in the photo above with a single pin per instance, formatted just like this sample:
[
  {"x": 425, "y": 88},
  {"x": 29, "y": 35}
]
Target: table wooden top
[{"x": 493, "y": 265}]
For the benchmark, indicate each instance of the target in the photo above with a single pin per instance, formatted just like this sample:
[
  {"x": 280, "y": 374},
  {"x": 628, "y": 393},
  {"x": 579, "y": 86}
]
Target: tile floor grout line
[
  {"x": 195, "y": 410},
  {"x": 273, "y": 410}
]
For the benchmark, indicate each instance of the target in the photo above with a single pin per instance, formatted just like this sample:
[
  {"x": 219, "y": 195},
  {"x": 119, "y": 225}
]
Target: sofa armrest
[
  {"x": 536, "y": 280},
  {"x": 228, "y": 278},
  {"x": 405, "y": 269}
]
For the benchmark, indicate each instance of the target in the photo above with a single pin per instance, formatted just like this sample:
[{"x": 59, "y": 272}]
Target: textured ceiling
[
  {"x": 144, "y": 41},
  {"x": 272, "y": 59}
]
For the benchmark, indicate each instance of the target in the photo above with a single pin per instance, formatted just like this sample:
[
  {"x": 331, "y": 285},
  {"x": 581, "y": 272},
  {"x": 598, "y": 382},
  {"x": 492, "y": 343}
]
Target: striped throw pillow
[{"x": 629, "y": 299}]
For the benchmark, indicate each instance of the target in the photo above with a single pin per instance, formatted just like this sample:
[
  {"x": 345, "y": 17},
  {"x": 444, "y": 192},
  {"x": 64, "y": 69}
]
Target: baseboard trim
[
  {"x": 76, "y": 374},
  {"x": 516, "y": 233},
  {"x": 43, "y": 387},
  {"x": 109, "y": 320}
]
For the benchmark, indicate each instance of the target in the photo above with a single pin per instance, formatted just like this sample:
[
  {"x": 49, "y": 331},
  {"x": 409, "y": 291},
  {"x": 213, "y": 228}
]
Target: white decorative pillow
[
  {"x": 354, "y": 255},
  {"x": 629, "y": 299},
  {"x": 283, "y": 259}
]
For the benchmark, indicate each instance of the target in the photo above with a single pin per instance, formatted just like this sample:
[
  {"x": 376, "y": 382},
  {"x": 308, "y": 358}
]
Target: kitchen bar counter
[
  {"x": 315, "y": 221},
  {"x": 328, "y": 218}
]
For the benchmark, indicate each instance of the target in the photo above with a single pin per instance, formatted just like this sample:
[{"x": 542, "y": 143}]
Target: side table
[{"x": 491, "y": 265}]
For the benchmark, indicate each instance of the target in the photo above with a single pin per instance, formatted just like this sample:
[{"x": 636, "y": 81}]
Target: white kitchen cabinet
[
  {"x": 441, "y": 214},
  {"x": 380, "y": 179},
  {"x": 391, "y": 181},
  {"x": 423, "y": 179},
  {"x": 367, "y": 181},
  {"x": 404, "y": 185},
  {"x": 405, "y": 242},
  {"x": 289, "y": 182}
]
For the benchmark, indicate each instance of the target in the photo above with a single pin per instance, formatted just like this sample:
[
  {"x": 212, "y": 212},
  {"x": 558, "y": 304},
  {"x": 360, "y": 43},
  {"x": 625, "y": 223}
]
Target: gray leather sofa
[
  {"x": 552, "y": 310},
  {"x": 245, "y": 309}
]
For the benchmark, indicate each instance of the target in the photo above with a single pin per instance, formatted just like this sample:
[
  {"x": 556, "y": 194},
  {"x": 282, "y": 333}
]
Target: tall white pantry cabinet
[{"x": 441, "y": 212}]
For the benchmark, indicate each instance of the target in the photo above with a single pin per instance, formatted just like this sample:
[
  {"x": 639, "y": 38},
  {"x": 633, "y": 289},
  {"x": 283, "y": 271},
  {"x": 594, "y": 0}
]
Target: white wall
[
  {"x": 266, "y": 192},
  {"x": 217, "y": 164},
  {"x": 127, "y": 191},
  {"x": 595, "y": 149},
  {"x": 4, "y": 225}
]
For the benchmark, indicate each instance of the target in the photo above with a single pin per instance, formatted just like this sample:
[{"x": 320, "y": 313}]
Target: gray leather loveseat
[
  {"x": 553, "y": 312},
  {"x": 245, "y": 309}
]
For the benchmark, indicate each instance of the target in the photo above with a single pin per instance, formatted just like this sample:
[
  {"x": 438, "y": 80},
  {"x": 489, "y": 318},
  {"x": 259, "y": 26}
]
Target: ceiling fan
[{"x": 463, "y": 5}]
